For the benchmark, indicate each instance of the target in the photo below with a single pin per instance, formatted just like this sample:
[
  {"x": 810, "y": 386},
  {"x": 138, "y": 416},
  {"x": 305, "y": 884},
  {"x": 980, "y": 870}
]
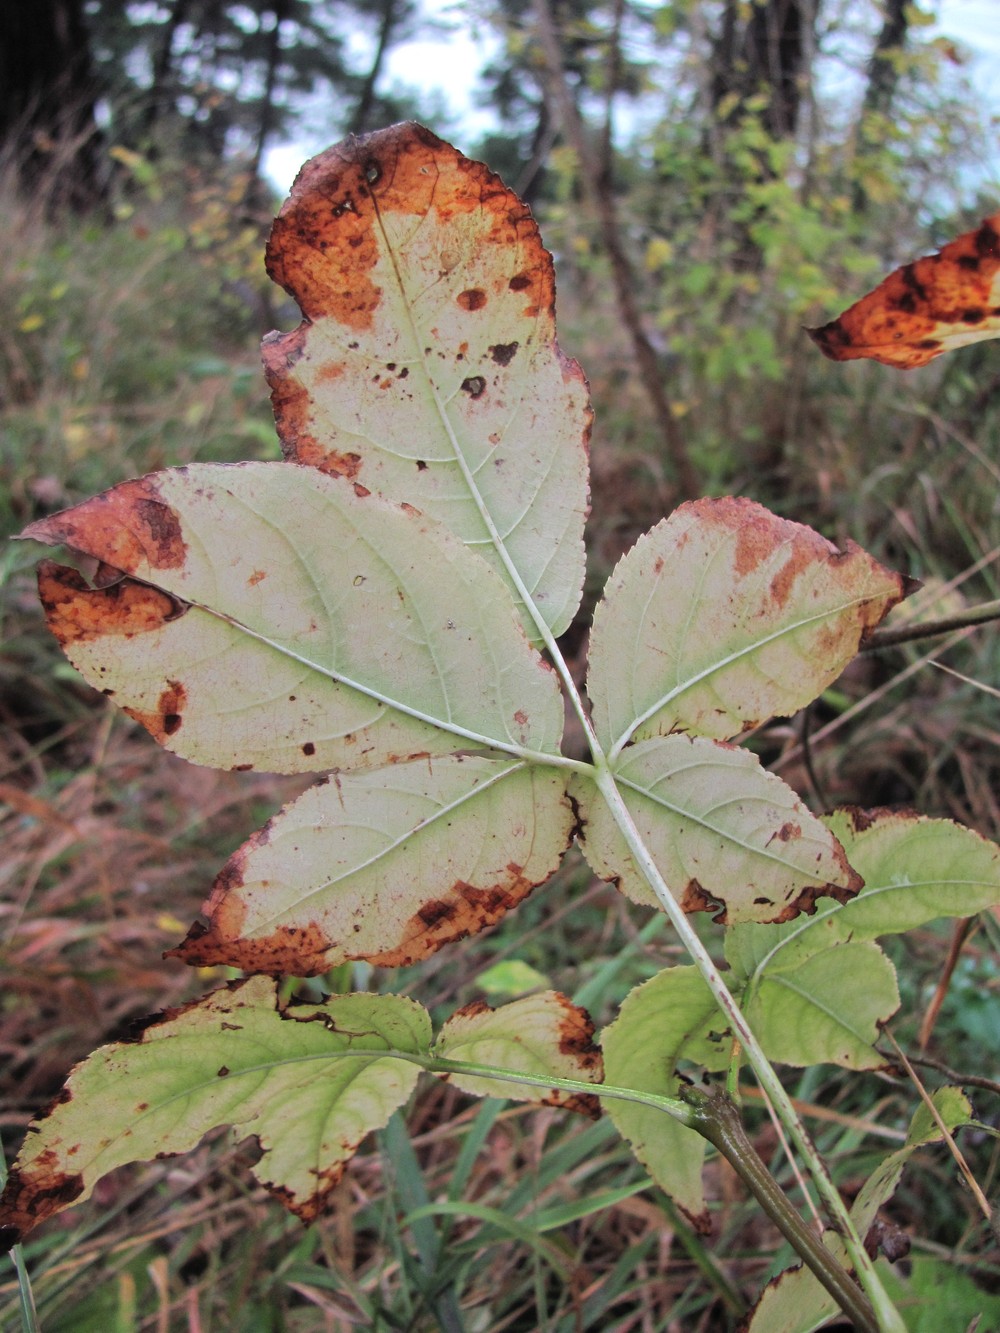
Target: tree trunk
[
  {"x": 47, "y": 96},
  {"x": 761, "y": 53},
  {"x": 280, "y": 9},
  {"x": 161, "y": 93},
  {"x": 366, "y": 100},
  {"x": 883, "y": 71}
]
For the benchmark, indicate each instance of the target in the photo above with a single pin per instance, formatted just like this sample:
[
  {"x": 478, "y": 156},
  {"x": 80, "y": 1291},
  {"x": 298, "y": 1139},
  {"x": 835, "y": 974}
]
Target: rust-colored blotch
[{"x": 923, "y": 308}]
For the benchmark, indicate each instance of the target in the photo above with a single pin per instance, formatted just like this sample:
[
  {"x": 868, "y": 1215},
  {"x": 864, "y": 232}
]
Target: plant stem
[
  {"x": 890, "y": 1320},
  {"x": 719, "y": 1122},
  {"x": 928, "y": 629}
]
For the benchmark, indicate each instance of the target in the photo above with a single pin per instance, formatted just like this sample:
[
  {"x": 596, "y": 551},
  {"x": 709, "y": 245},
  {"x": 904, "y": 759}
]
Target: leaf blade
[
  {"x": 641, "y": 1049},
  {"x": 229, "y": 1058},
  {"x": 385, "y": 865},
  {"x": 936, "y": 304},
  {"x": 358, "y": 630},
  {"x": 724, "y": 615},
  {"x": 427, "y": 367},
  {"x": 543, "y": 1035},
  {"x": 726, "y": 835}
]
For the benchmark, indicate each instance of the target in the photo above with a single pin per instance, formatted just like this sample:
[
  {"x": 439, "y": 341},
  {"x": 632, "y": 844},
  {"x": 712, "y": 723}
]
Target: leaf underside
[
  {"x": 427, "y": 367},
  {"x": 386, "y": 865},
  {"x": 542, "y": 1034},
  {"x": 273, "y": 618},
  {"x": 230, "y": 1058},
  {"x": 726, "y": 835},
  {"x": 724, "y": 615}
]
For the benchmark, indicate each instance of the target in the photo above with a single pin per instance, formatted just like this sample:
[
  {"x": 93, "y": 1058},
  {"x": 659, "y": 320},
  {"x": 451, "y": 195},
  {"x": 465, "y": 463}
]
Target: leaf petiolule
[
  {"x": 385, "y": 865},
  {"x": 934, "y": 305},
  {"x": 724, "y": 615},
  {"x": 427, "y": 367},
  {"x": 727, "y": 836},
  {"x": 544, "y": 1035},
  {"x": 230, "y": 1058},
  {"x": 276, "y": 618}
]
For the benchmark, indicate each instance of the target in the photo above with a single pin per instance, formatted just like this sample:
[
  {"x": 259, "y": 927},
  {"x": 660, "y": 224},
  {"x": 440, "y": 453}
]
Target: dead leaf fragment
[{"x": 937, "y": 303}]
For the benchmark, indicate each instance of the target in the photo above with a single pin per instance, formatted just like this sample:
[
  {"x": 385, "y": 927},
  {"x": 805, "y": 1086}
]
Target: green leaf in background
[
  {"x": 816, "y": 987},
  {"x": 385, "y": 865},
  {"x": 283, "y": 622},
  {"x": 726, "y": 835},
  {"x": 915, "y": 870},
  {"x": 231, "y": 1058},
  {"x": 427, "y": 367},
  {"x": 724, "y": 615},
  {"x": 545, "y": 1035},
  {"x": 826, "y": 1008},
  {"x": 654, "y": 1028}
]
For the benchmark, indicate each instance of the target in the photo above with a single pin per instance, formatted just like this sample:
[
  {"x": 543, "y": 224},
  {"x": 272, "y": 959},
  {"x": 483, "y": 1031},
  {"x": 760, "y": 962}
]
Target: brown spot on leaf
[
  {"x": 77, "y": 613},
  {"x": 503, "y": 353},
  {"x": 472, "y": 299},
  {"x": 299, "y": 951},
  {"x": 33, "y": 1193},
  {"x": 167, "y": 717},
  {"x": 126, "y": 528},
  {"x": 256, "y": 577},
  {"x": 446, "y": 919},
  {"x": 314, "y": 1205},
  {"x": 474, "y": 386}
]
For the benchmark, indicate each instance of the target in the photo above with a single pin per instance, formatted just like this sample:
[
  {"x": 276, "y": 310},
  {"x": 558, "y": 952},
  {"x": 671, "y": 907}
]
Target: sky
[{"x": 450, "y": 62}]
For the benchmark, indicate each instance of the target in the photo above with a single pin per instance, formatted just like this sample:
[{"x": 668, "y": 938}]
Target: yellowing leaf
[
  {"x": 938, "y": 303},
  {"x": 724, "y": 615},
  {"x": 727, "y": 836},
  {"x": 279, "y": 619},
  {"x": 230, "y": 1058},
  {"x": 543, "y": 1035},
  {"x": 427, "y": 367},
  {"x": 385, "y": 865}
]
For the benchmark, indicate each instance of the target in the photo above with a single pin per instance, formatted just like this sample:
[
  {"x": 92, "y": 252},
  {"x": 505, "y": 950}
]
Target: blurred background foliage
[{"x": 711, "y": 175}]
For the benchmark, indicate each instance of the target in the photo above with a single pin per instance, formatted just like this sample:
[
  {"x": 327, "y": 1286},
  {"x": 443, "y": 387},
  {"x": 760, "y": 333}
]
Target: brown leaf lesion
[
  {"x": 126, "y": 528},
  {"x": 921, "y": 309},
  {"x": 77, "y": 613}
]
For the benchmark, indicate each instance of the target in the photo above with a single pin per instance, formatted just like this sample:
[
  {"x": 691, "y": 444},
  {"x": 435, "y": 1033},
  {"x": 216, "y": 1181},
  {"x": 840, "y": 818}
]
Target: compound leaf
[
  {"x": 724, "y": 615},
  {"x": 726, "y": 835},
  {"x": 938, "y": 303},
  {"x": 544, "y": 1035},
  {"x": 385, "y": 865},
  {"x": 427, "y": 366},
  {"x": 277, "y": 618},
  {"x": 653, "y": 1030},
  {"x": 230, "y": 1058}
]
